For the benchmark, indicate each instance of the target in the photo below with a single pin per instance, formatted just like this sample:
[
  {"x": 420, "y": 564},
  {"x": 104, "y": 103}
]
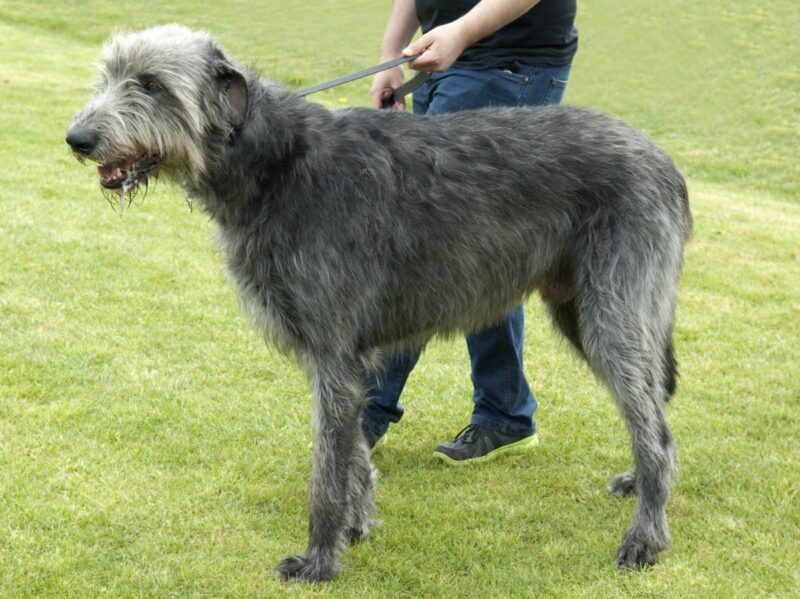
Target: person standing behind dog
[{"x": 481, "y": 53}]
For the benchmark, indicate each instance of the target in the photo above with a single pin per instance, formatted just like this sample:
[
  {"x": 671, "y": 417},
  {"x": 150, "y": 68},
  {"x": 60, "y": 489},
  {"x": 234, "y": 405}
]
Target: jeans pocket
[{"x": 520, "y": 78}]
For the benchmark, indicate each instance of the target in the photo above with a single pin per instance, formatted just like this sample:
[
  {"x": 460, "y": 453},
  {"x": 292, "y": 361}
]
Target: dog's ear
[{"x": 233, "y": 88}]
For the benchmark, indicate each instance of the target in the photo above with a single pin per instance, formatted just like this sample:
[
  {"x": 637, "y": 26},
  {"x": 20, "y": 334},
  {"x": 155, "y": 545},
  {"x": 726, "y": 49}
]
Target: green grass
[{"x": 150, "y": 445}]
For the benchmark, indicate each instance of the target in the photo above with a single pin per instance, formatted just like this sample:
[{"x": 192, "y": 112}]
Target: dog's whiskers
[
  {"x": 116, "y": 197},
  {"x": 109, "y": 197},
  {"x": 146, "y": 183}
]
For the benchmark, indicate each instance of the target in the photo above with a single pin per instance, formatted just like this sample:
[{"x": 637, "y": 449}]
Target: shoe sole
[{"x": 520, "y": 446}]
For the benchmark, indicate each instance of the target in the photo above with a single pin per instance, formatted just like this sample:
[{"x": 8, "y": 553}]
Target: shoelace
[{"x": 468, "y": 432}]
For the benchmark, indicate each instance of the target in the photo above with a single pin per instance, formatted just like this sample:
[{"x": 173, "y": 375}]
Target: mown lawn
[{"x": 150, "y": 445}]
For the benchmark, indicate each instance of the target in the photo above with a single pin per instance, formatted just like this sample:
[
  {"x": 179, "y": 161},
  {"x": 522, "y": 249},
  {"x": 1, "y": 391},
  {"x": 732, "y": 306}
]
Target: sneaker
[{"x": 477, "y": 443}]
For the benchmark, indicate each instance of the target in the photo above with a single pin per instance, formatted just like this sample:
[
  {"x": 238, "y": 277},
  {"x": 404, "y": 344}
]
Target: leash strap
[
  {"x": 400, "y": 92},
  {"x": 405, "y": 89}
]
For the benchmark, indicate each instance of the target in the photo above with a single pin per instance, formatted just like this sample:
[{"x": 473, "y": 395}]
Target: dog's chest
[{"x": 262, "y": 289}]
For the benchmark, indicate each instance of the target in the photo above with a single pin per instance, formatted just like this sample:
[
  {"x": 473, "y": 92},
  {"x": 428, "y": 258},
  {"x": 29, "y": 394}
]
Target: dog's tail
[
  {"x": 670, "y": 366},
  {"x": 688, "y": 221}
]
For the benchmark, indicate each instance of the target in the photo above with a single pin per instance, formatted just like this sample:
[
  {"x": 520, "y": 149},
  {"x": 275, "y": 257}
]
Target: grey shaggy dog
[{"x": 359, "y": 232}]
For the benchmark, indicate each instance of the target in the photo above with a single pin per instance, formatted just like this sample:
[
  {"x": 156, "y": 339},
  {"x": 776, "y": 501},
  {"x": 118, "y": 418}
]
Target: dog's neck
[{"x": 278, "y": 130}]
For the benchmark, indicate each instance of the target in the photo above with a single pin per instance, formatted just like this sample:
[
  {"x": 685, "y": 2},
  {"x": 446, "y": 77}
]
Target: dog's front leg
[{"x": 338, "y": 400}]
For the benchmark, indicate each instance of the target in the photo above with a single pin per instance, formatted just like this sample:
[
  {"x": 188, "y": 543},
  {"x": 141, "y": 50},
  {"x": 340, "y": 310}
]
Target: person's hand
[
  {"x": 440, "y": 47},
  {"x": 384, "y": 84}
]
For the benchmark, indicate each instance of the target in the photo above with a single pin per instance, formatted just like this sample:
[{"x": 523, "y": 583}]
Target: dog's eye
[{"x": 150, "y": 85}]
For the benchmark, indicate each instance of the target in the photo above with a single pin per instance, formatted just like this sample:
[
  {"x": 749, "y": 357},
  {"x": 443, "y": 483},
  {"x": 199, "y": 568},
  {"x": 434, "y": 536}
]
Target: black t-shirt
[{"x": 544, "y": 36}]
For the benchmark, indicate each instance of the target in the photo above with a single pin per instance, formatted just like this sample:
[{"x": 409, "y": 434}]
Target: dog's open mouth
[{"x": 126, "y": 174}]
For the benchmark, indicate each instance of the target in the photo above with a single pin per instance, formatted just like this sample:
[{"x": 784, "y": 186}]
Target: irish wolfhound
[{"x": 360, "y": 232}]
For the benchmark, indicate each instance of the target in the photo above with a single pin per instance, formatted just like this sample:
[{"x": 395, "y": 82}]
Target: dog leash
[{"x": 399, "y": 92}]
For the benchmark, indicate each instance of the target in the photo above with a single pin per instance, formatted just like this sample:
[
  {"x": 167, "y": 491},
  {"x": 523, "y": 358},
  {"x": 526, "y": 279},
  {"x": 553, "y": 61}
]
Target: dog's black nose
[{"x": 83, "y": 141}]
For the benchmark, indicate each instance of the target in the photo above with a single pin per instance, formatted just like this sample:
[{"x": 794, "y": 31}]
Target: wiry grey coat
[{"x": 357, "y": 232}]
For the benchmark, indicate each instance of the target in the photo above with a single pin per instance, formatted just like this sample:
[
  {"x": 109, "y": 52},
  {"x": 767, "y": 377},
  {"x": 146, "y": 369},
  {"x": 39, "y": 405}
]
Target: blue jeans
[{"x": 503, "y": 400}]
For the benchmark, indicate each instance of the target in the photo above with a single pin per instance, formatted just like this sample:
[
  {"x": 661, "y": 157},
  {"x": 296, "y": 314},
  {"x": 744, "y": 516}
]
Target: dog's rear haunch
[{"x": 359, "y": 232}]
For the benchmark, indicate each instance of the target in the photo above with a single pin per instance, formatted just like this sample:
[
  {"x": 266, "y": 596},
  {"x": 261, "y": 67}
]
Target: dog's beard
[
  {"x": 125, "y": 182},
  {"x": 132, "y": 189}
]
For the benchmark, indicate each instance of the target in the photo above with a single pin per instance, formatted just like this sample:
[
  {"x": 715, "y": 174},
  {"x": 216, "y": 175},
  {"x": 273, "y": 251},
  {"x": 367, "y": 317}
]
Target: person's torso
[{"x": 543, "y": 36}]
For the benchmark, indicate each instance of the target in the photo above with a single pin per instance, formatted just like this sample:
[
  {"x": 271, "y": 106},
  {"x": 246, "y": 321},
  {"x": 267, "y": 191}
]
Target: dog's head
[{"x": 163, "y": 95}]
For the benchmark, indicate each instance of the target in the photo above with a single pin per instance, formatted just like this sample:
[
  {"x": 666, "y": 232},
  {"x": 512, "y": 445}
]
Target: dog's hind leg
[
  {"x": 626, "y": 305},
  {"x": 632, "y": 370},
  {"x": 338, "y": 472},
  {"x": 565, "y": 319}
]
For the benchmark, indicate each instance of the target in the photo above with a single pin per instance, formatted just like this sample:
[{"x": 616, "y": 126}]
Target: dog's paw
[
  {"x": 307, "y": 569},
  {"x": 356, "y": 534},
  {"x": 636, "y": 551},
  {"x": 623, "y": 485}
]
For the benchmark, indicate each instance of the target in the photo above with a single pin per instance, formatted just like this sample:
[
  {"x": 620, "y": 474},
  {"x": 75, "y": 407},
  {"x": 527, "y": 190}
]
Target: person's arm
[
  {"x": 441, "y": 46},
  {"x": 400, "y": 29}
]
